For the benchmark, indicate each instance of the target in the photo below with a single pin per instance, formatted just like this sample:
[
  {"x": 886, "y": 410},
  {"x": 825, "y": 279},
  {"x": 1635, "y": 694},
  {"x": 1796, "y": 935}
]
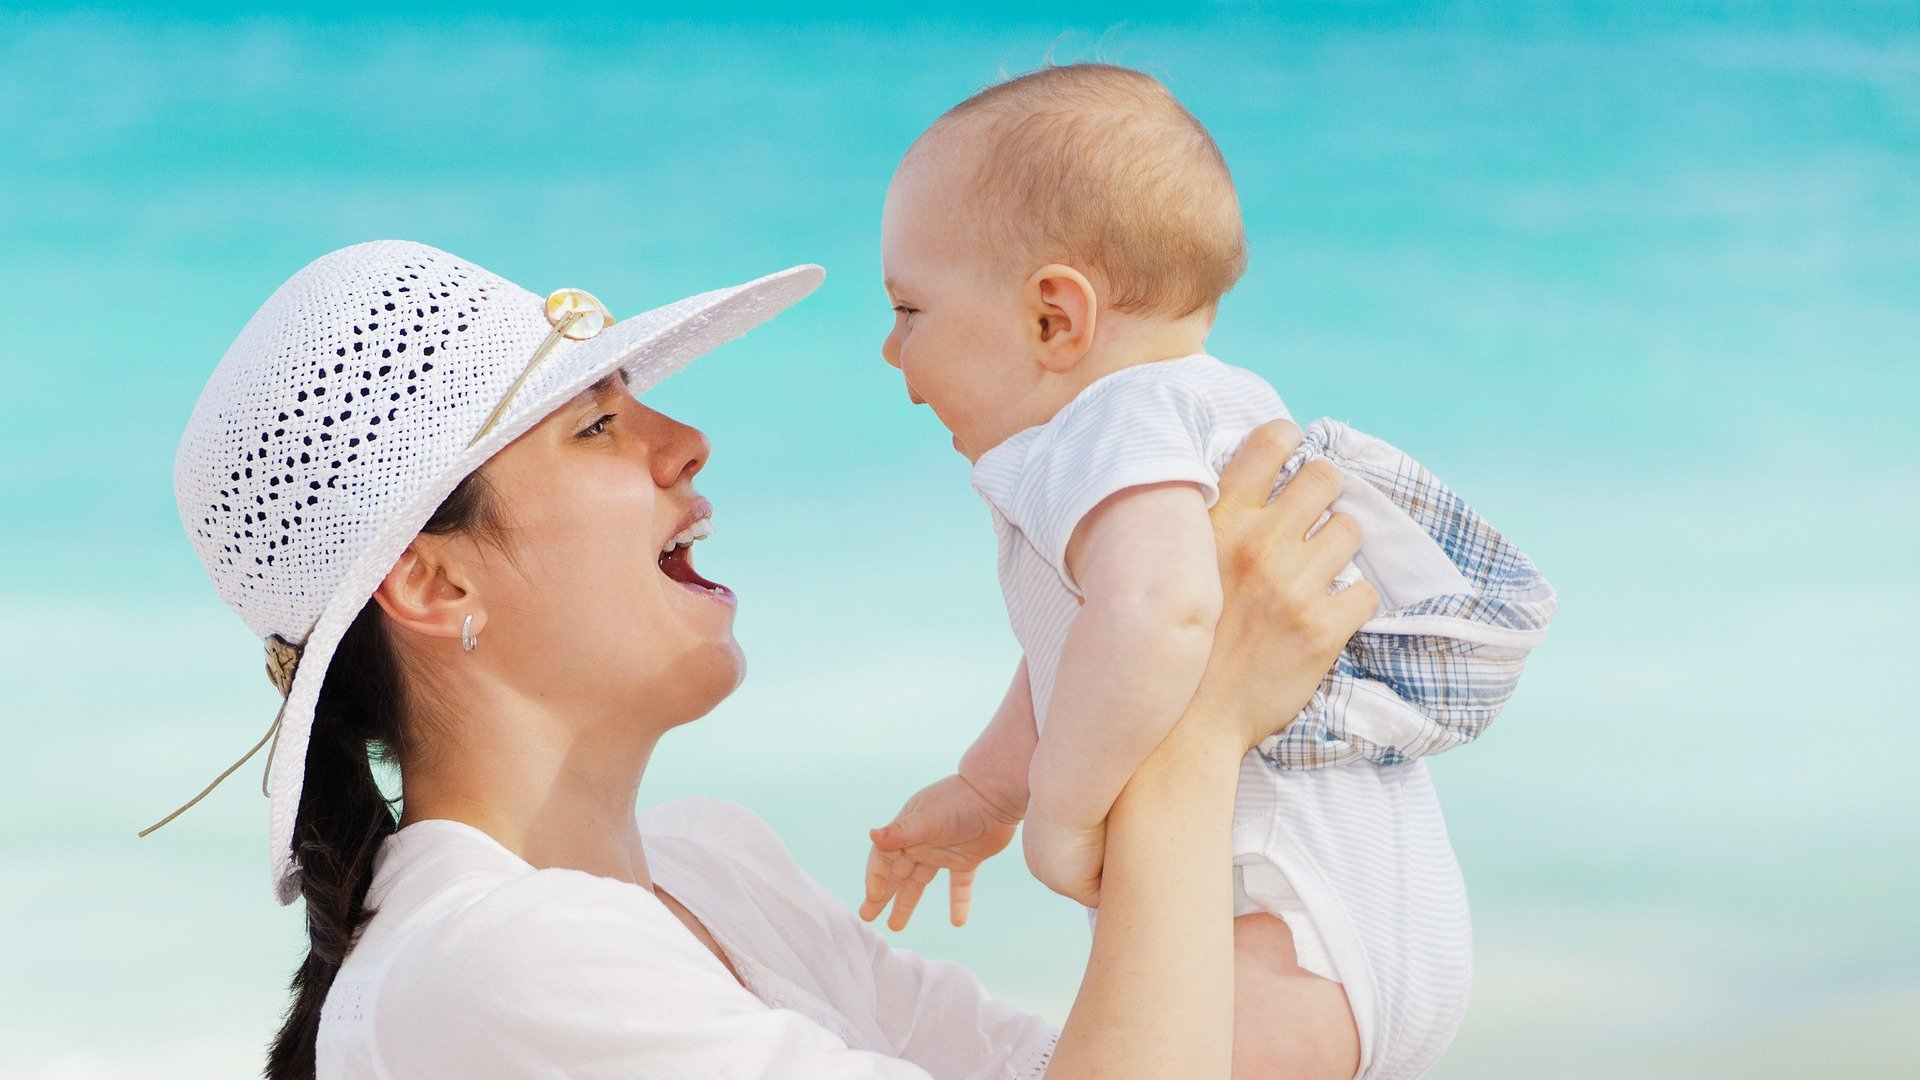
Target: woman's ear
[
  {"x": 427, "y": 591},
  {"x": 1065, "y": 308}
]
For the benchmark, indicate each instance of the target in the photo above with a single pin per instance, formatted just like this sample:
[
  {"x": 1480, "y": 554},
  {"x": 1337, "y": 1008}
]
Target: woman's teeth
[
  {"x": 676, "y": 562},
  {"x": 699, "y": 530}
]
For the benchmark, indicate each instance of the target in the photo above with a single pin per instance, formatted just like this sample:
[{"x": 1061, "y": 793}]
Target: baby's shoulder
[
  {"x": 1194, "y": 391},
  {"x": 1226, "y": 383}
]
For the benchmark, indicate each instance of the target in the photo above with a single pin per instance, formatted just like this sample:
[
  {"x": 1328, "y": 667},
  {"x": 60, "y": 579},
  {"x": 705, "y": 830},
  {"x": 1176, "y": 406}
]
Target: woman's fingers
[
  {"x": 1352, "y": 606},
  {"x": 1333, "y": 545},
  {"x": 1306, "y": 496},
  {"x": 1280, "y": 628},
  {"x": 1248, "y": 477}
]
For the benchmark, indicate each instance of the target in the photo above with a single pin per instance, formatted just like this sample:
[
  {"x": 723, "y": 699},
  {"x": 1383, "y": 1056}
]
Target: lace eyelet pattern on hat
[{"x": 388, "y": 354}]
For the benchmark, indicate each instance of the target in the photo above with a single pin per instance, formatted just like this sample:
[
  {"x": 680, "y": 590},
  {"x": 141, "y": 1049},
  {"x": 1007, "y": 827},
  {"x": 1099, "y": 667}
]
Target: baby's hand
[
  {"x": 1066, "y": 858},
  {"x": 947, "y": 826}
]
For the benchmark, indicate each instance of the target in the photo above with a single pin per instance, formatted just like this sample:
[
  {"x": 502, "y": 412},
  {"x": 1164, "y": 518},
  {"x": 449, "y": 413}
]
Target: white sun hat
[{"x": 353, "y": 402}]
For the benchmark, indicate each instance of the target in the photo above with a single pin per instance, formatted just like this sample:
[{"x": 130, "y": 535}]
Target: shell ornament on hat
[{"x": 354, "y": 401}]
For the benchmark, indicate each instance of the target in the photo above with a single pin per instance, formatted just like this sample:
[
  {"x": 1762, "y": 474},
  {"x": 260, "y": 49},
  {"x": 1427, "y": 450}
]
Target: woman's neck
[{"x": 556, "y": 797}]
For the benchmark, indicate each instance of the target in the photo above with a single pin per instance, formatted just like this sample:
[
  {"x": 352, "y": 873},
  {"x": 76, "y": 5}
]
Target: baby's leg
[{"x": 1288, "y": 1023}]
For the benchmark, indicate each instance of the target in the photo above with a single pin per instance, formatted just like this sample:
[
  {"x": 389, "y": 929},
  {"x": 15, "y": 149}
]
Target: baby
[{"x": 1055, "y": 249}]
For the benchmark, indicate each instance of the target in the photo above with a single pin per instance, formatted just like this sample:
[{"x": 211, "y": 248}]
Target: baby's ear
[{"x": 1065, "y": 308}]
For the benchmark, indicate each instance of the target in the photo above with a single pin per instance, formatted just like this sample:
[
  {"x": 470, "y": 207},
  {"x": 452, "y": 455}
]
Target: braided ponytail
[{"x": 344, "y": 817}]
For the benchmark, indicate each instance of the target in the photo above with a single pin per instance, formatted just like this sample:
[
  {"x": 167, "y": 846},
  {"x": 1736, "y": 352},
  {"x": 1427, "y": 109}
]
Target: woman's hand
[{"x": 1280, "y": 628}]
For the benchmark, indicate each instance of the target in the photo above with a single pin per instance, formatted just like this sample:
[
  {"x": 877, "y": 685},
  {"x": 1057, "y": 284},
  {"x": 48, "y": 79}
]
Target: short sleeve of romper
[{"x": 1150, "y": 424}]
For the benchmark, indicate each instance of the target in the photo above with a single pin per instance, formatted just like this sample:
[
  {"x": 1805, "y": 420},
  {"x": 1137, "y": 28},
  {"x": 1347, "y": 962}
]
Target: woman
[{"x": 464, "y": 541}]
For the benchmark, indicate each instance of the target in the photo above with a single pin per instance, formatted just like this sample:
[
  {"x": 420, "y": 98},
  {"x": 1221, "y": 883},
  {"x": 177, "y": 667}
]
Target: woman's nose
[{"x": 677, "y": 450}]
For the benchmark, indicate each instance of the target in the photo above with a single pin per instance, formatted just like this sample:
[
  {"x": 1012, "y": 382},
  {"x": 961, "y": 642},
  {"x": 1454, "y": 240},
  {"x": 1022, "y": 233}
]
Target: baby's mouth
[{"x": 676, "y": 560}]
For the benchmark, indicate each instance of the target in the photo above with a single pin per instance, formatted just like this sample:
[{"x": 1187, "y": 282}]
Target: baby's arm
[
  {"x": 957, "y": 822},
  {"x": 997, "y": 762},
  {"x": 1144, "y": 561}
]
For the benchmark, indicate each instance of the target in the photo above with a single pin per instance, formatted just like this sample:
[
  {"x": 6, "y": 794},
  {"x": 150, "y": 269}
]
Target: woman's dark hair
[{"x": 361, "y": 716}]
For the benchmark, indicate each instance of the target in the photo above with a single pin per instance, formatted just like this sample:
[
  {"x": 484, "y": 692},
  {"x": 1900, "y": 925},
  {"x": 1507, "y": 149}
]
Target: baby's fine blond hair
[{"x": 1099, "y": 167}]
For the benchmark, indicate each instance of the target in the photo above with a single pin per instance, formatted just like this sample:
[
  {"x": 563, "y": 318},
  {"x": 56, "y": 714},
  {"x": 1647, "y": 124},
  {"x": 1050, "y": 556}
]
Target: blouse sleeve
[
  {"x": 937, "y": 1014},
  {"x": 567, "y": 975},
  {"x": 934, "y": 1013}
]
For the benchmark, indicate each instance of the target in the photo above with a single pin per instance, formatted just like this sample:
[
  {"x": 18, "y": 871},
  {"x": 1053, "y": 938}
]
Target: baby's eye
[
  {"x": 598, "y": 427},
  {"x": 902, "y": 309}
]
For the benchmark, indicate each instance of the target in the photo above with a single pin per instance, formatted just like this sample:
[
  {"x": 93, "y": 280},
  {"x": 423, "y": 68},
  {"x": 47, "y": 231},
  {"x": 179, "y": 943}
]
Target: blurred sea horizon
[{"x": 1640, "y": 282}]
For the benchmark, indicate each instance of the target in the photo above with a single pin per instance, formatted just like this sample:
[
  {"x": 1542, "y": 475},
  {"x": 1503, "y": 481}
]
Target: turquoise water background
[{"x": 1641, "y": 281}]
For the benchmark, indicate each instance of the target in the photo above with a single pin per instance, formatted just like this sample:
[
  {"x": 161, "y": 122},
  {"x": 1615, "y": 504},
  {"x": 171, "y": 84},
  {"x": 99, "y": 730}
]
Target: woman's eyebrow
[
  {"x": 589, "y": 398},
  {"x": 610, "y": 382}
]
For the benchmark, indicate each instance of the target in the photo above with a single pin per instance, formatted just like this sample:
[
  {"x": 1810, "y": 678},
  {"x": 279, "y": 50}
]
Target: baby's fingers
[
  {"x": 908, "y": 897},
  {"x": 910, "y": 828},
  {"x": 878, "y": 885},
  {"x": 885, "y": 870},
  {"x": 959, "y": 895}
]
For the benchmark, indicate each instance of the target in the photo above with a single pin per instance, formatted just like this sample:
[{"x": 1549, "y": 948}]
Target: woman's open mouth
[{"x": 676, "y": 558}]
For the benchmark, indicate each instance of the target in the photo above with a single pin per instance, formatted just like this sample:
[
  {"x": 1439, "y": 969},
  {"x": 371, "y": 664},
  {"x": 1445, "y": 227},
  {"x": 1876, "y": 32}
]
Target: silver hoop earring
[{"x": 467, "y": 640}]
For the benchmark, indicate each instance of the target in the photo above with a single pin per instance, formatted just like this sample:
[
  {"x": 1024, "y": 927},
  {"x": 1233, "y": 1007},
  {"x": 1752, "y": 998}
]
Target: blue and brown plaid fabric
[{"x": 1430, "y": 675}]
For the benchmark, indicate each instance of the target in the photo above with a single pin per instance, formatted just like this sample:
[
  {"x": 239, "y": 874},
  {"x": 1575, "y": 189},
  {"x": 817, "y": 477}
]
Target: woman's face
[{"x": 598, "y": 610}]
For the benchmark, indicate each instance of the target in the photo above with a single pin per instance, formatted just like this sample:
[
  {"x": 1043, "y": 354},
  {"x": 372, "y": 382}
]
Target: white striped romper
[{"x": 1337, "y": 828}]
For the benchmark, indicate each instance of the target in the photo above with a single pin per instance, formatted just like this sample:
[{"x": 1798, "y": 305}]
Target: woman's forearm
[{"x": 1157, "y": 1000}]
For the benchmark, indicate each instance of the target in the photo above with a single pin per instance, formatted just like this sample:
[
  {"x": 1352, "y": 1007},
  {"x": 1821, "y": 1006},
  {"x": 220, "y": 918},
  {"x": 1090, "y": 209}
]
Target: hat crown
[{"x": 345, "y": 395}]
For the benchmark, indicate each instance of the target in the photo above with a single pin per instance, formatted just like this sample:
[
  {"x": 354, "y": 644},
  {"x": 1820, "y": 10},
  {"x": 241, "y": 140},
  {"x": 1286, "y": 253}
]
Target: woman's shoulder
[
  {"x": 717, "y": 824},
  {"x": 459, "y": 902},
  {"x": 731, "y": 853},
  {"x": 456, "y": 913},
  {"x": 470, "y": 943},
  {"x": 474, "y": 907}
]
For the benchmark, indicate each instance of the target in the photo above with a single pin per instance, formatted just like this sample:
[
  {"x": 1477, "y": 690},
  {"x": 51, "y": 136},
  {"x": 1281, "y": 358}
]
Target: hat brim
[{"x": 650, "y": 347}]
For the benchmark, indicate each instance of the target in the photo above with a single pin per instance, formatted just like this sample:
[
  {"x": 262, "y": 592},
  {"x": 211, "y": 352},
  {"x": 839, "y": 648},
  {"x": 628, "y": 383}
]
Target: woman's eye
[{"x": 598, "y": 427}]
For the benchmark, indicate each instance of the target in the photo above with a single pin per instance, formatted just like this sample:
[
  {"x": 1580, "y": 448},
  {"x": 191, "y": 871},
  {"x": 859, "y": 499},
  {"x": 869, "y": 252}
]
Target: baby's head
[{"x": 1045, "y": 232}]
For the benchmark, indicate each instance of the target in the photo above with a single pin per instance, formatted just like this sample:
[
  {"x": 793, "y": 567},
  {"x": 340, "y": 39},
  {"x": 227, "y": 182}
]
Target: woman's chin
[
  {"x": 708, "y": 675},
  {"x": 738, "y": 665}
]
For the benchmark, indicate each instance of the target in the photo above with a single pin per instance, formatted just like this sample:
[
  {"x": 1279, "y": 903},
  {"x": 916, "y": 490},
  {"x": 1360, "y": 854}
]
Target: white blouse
[{"x": 476, "y": 964}]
